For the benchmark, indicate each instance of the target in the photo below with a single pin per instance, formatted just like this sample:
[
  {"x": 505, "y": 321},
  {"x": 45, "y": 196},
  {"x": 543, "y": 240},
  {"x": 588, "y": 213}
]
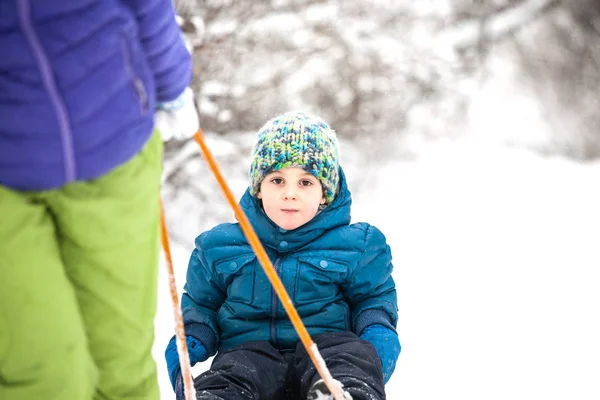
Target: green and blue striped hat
[{"x": 297, "y": 139}]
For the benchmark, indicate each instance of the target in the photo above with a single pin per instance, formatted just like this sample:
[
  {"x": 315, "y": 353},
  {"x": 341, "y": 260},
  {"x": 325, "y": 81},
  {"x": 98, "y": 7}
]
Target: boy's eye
[
  {"x": 305, "y": 182},
  {"x": 277, "y": 181}
]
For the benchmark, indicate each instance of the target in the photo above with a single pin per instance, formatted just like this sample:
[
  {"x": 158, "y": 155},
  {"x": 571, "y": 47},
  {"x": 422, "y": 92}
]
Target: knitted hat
[{"x": 296, "y": 139}]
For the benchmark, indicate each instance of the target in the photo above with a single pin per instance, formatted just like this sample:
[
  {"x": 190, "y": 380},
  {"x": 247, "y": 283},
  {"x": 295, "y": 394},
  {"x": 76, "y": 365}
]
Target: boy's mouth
[{"x": 289, "y": 210}]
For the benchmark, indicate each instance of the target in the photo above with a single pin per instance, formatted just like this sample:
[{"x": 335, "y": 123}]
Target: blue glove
[
  {"x": 179, "y": 388},
  {"x": 197, "y": 353},
  {"x": 387, "y": 345}
]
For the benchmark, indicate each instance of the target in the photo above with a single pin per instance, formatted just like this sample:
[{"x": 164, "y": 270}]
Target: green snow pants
[{"x": 78, "y": 286}]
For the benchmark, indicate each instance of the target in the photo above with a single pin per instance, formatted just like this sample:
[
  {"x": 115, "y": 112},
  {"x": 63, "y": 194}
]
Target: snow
[{"x": 496, "y": 265}]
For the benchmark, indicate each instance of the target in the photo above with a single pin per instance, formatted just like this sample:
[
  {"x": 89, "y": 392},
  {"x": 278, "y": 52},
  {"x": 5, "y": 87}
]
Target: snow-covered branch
[{"x": 496, "y": 26}]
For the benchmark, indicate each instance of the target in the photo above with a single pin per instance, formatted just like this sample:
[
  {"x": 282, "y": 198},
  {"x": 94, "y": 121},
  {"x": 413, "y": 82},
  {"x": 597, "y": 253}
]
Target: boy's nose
[{"x": 289, "y": 194}]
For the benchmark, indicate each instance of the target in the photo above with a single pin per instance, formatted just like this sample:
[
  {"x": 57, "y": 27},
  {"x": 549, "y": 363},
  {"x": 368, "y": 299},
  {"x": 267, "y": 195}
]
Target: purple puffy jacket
[{"x": 78, "y": 85}]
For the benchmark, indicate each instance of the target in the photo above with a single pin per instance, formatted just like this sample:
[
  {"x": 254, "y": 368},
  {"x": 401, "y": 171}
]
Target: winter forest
[{"x": 469, "y": 135}]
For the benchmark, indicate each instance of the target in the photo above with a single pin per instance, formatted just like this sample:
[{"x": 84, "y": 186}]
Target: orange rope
[
  {"x": 182, "y": 350},
  {"x": 256, "y": 245}
]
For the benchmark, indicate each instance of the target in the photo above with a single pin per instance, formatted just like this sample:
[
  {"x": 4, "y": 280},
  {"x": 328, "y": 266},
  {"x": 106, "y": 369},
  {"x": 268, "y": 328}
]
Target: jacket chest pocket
[
  {"x": 318, "y": 279},
  {"x": 129, "y": 65},
  {"x": 238, "y": 276}
]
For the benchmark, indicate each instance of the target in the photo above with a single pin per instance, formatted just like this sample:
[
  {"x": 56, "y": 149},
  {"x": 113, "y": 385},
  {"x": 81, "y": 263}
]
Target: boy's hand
[
  {"x": 197, "y": 353},
  {"x": 177, "y": 119},
  {"x": 386, "y": 342},
  {"x": 179, "y": 388}
]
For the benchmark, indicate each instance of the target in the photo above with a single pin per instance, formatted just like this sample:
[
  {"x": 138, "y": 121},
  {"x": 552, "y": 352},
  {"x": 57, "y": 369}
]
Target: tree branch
[{"x": 497, "y": 26}]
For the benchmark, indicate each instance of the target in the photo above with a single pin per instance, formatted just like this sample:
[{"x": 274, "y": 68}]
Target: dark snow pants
[{"x": 258, "y": 371}]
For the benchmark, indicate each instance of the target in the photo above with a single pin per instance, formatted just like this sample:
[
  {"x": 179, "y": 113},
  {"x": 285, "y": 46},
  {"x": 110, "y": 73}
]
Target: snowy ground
[{"x": 496, "y": 263}]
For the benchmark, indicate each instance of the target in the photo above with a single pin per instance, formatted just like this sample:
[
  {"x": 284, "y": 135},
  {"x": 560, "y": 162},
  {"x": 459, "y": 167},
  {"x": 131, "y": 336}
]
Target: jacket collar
[{"x": 335, "y": 214}]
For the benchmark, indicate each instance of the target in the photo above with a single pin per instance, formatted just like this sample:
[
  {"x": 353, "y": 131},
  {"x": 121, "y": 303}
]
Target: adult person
[{"x": 80, "y": 173}]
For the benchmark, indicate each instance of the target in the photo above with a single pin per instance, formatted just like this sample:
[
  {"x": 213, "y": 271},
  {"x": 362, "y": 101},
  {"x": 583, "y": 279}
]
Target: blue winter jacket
[
  {"x": 338, "y": 276},
  {"x": 78, "y": 84}
]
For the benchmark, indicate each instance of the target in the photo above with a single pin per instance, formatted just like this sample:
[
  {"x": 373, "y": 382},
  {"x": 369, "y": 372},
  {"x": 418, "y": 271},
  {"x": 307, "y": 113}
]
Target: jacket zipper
[
  {"x": 51, "y": 87},
  {"x": 274, "y": 302},
  {"x": 137, "y": 83}
]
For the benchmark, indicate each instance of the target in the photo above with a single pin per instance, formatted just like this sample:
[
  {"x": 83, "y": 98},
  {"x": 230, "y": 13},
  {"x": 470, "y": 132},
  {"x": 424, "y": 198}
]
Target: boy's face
[{"x": 291, "y": 197}]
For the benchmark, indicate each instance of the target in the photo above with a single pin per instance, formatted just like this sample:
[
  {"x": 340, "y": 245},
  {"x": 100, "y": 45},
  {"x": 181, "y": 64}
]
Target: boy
[{"x": 338, "y": 276}]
